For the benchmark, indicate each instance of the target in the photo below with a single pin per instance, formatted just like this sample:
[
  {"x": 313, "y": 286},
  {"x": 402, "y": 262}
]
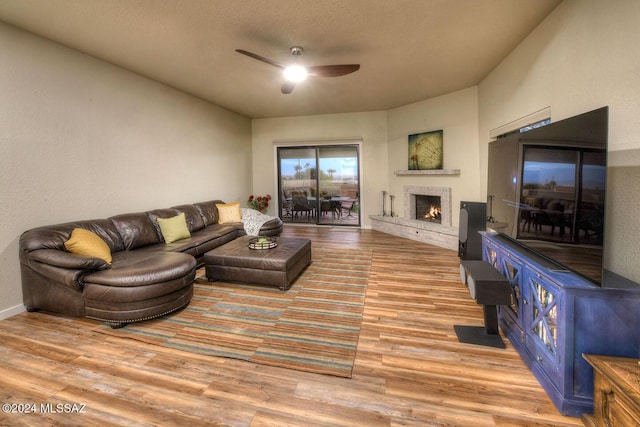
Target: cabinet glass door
[
  {"x": 544, "y": 314},
  {"x": 492, "y": 257},
  {"x": 512, "y": 272}
]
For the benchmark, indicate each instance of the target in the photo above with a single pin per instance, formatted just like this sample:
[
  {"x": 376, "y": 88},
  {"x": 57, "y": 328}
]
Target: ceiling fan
[{"x": 296, "y": 73}]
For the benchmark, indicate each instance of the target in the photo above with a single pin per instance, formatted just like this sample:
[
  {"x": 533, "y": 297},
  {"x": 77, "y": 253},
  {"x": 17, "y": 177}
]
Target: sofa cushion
[
  {"x": 135, "y": 268},
  {"x": 208, "y": 211},
  {"x": 174, "y": 228},
  {"x": 55, "y": 236},
  {"x": 87, "y": 243},
  {"x": 136, "y": 230},
  {"x": 194, "y": 220},
  {"x": 197, "y": 238},
  {"x": 160, "y": 213},
  {"x": 64, "y": 259},
  {"x": 229, "y": 213},
  {"x": 213, "y": 236},
  {"x": 200, "y": 241}
]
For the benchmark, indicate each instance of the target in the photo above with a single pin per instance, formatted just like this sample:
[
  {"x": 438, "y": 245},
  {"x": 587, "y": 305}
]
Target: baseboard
[{"x": 12, "y": 311}]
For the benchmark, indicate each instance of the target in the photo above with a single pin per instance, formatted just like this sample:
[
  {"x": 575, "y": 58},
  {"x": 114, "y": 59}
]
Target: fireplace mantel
[{"x": 428, "y": 172}]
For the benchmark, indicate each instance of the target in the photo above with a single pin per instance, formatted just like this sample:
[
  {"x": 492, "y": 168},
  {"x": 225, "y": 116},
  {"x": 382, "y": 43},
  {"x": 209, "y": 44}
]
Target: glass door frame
[{"x": 282, "y": 201}]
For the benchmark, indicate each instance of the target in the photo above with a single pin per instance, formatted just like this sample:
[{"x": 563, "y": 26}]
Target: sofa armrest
[{"x": 64, "y": 259}]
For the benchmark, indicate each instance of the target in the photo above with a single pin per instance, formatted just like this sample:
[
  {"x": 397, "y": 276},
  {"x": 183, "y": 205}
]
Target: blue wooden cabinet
[{"x": 556, "y": 316}]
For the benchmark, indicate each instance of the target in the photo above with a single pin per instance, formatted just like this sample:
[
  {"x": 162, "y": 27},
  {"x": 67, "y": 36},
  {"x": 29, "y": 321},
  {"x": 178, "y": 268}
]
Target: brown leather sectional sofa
[{"x": 147, "y": 277}]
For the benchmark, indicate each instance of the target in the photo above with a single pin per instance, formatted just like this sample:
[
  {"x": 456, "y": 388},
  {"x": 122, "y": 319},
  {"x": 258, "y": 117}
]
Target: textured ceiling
[{"x": 409, "y": 50}]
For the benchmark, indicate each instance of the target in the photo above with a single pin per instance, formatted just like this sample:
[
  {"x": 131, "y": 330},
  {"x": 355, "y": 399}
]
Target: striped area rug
[{"x": 313, "y": 327}]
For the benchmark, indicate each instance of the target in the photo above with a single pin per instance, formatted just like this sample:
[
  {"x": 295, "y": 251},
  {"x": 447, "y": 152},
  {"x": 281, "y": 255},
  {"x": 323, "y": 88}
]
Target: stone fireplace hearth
[{"x": 439, "y": 234}]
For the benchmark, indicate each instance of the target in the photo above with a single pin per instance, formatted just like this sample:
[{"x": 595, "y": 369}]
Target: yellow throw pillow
[
  {"x": 229, "y": 213},
  {"x": 88, "y": 243},
  {"x": 174, "y": 228}
]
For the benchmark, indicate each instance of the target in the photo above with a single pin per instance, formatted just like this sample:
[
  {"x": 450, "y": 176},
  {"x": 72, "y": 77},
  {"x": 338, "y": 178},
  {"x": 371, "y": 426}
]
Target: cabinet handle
[
  {"x": 607, "y": 396},
  {"x": 526, "y": 302},
  {"x": 539, "y": 359}
]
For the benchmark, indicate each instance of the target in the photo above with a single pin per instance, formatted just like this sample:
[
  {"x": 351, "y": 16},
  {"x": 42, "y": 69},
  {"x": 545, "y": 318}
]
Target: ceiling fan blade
[
  {"x": 260, "y": 58},
  {"x": 333, "y": 70},
  {"x": 287, "y": 87}
]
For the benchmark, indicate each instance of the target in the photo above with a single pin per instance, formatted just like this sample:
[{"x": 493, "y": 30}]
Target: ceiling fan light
[{"x": 295, "y": 73}]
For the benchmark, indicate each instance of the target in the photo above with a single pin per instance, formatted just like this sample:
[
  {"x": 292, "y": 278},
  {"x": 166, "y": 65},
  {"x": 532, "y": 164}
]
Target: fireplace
[
  {"x": 435, "y": 201},
  {"x": 409, "y": 226},
  {"x": 428, "y": 208}
]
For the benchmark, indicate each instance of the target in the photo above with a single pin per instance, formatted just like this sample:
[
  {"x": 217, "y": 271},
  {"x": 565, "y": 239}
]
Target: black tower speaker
[{"x": 473, "y": 218}]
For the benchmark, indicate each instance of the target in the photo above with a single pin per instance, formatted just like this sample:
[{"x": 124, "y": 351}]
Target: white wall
[
  {"x": 370, "y": 127},
  {"x": 82, "y": 139},
  {"x": 582, "y": 57},
  {"x": 457, "y": 115},
  {"x": 385, "y": 147}
]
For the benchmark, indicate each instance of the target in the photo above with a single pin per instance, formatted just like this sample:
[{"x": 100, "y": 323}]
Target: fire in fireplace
[{"x": 428, "y": 208}]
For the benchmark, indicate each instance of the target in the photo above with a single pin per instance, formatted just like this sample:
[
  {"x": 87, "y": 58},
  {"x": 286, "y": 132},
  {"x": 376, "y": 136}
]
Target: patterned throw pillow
[
  {"x": 229, "y": 213},
  {"x": 87, "y": 243}
]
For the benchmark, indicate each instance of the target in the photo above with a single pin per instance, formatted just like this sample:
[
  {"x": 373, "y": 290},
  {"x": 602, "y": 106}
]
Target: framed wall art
[{"x": 425, "y": 150}]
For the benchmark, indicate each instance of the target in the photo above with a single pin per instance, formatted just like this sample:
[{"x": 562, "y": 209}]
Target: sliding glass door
[
  {"x": 297, "y": 182},
  {"x": 319, "y": 184}
]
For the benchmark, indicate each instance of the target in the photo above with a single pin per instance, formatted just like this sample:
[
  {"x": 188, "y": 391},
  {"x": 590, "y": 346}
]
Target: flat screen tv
[{"x": 546, "y": 192}]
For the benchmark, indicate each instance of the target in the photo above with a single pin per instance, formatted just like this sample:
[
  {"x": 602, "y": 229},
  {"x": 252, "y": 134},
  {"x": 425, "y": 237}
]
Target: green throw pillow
[{"x": 174, "y": 228}]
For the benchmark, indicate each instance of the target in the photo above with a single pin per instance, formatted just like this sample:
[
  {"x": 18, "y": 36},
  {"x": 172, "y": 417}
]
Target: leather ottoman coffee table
[{"x": 279, "y": 266}]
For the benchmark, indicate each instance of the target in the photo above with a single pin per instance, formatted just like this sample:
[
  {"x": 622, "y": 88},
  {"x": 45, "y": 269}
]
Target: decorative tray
[{"x": 262, "y": 243}]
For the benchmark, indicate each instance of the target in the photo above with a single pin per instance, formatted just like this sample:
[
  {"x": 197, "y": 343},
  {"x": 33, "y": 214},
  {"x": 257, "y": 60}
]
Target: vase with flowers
[{"x": 259, "y": 203}]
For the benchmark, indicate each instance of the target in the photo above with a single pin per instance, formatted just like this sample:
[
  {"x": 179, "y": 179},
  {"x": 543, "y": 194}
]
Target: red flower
[{"x": 259, "y": 203}]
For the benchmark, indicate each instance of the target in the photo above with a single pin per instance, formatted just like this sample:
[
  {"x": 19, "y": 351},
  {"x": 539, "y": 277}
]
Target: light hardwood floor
[{"x": 410, "y": 369}]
